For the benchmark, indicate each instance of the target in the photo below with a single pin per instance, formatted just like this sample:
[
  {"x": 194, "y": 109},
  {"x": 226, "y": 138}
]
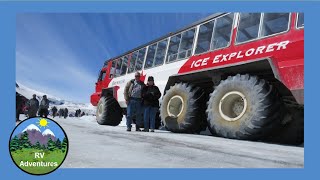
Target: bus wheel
[
  {"x": 108, "y": 112},
  {"x": 244, "y": 107},
  {"x": 291, "y": 132},
  {"x": 181, "y": 110}
]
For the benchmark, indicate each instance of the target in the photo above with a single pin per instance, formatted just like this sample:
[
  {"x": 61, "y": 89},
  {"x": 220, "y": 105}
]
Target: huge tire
[
  {"x": 181, "y": 110},
  {"x": 291, "y": 132},
  {"x": 109, "y": 112},
  {"x": 244, "y": 107}
]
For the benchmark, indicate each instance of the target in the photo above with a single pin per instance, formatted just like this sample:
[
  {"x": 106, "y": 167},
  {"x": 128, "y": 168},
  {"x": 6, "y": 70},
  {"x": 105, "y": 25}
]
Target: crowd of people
[
  {"x": 63, "y": 112},
  {"x": 32, "y": 108},
  {"x": 78, "y": 113},
  {"x": 142, "y": 103}
]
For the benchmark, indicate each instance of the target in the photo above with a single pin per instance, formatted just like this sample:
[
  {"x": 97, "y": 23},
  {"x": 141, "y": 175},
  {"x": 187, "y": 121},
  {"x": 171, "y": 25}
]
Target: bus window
[
  {"x": 124, "y": 64},
  {"x": 161, "y": 51},
  {"x": 274, "y": 23},
  {"x": 222, "y": 31},
  {"x": 140, "y": 59},
  {"x": 150, "y": 56},
  {"x": 173, "y": 47},
  {"x": 248, "y": 27},
  {"x": 300, "y": 22},
  {"x": 113, "y": 68},
  {"x": 133, "y": 61},
  {"x": 186, "y": 44},
  {"x": 118, "y": 67},
  {"x": 102, "y": 76},
  {"x": 204, "y": 37}
]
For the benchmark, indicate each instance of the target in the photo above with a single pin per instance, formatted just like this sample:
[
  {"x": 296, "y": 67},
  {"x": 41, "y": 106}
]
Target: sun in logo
[{"x": 43, "y": 122}]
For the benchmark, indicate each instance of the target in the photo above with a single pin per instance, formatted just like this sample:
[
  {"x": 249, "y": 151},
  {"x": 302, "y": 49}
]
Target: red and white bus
[{"x": 235, "y": 73}]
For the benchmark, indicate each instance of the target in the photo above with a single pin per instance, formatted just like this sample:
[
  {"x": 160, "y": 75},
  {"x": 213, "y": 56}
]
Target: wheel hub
[
  {"x": 100, "y": 110},
  {"x": 232, "y": 106},
  {"x": 175, "y": 106}
]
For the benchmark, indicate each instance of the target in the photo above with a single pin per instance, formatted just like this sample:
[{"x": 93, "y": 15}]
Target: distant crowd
[{"x": 32, "y": 108}]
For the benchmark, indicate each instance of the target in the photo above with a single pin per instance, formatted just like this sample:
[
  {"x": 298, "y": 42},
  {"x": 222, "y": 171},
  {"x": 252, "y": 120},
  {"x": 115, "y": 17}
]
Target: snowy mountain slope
[
  {"x": 31, "y": 127},
  {"x": 48, "y": 132},
  {"x": 55, "y": 101},
  {"x": 28, "y": 92}
]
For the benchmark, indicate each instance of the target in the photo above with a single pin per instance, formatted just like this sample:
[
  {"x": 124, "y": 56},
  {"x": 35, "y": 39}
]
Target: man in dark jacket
[
  {"x": 33, "y": 106},
  {"x": 44, "y": 106},
  {"x": 150, "y": 95},
  {"x": 65, "y": 113},
  {"x": 76, "y": 114},
  {"x": 61, "y": 112},
  {"x": 19, "y": 105},
  {"x": 54, "y": 111},
  {"x": 133, "y": 97}
]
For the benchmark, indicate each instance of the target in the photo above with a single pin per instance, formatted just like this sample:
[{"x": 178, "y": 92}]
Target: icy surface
[{"x": 95, "y": 146}]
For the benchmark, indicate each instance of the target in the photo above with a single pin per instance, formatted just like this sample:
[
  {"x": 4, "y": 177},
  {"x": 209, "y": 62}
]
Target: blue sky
[
  {"x": 61, "y": 54},
  {"x": 51, "y": 125}
]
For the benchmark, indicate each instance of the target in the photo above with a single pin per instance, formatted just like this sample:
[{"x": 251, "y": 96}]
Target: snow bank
[{"x": 27, "y": 92}]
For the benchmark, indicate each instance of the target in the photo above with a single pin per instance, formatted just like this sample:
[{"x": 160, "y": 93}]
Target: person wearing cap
[
  {"x": 150, "y": 95},
  {"x": 44, "y": 106},
  {"x": 32, "y": 106},
  {"x": 133, "y": 97}
]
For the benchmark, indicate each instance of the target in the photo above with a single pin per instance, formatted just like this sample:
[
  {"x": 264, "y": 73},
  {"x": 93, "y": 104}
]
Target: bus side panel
[{"x": 160, "y": 73}]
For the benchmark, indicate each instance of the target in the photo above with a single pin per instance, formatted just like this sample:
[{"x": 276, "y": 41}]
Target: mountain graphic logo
[{"x": 38, "y": 146}]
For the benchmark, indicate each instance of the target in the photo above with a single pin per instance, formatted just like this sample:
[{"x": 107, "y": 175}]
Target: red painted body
[
  {"x": 95, "y": 97},
  {"x": 288, "y": 62},
  {"x": 285, "y": 50}
]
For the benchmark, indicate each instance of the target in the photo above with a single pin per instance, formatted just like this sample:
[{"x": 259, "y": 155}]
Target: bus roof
[{"x": 169, "y": 34}]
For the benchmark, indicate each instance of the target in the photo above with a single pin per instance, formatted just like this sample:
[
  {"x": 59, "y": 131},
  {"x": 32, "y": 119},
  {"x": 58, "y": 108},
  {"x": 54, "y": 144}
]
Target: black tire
[
  {"x": 158, "y": 120},
  {"x": 291, "y": 133},
  {"x": 108, "y": 112},
  {"x": 263, "y": 112},
  {"x": 187, "y": 118}
]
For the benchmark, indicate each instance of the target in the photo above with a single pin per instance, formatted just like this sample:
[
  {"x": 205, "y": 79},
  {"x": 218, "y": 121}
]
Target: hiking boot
[
  {"x": 128, "y": 129},
  {"x": 152, "y": 130},
  {"x": 146, "y": 130}
]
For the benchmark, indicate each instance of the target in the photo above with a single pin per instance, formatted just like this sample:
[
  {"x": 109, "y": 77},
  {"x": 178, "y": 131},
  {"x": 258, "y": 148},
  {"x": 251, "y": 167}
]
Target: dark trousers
[
  {"x": 150, "y": 117},
  {"x": 43, "y": 113}
]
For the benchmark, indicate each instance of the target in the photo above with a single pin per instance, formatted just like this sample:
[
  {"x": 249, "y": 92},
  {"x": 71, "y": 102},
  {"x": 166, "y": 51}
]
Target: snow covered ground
[{"x": 95, "y": 146}]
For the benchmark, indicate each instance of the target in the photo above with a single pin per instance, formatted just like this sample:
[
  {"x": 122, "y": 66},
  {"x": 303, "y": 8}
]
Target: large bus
[{"x": 241, "y": 75}]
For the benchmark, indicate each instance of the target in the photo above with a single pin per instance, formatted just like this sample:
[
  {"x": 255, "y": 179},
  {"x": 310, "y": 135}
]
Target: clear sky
[{"x": 61, "y": 54}]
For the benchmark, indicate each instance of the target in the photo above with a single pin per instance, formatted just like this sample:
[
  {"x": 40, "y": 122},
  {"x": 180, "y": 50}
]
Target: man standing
[
  {"x": 65, "y": 113},
  {"x": 61, "y": 112},
  {"x": 33, "y": 106},
  {"x": 133, "y": 97},
  {"x": 44, "y": 106},
  {"x": 19, "y": 106},
  {"x": 54, "y": 111}
]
